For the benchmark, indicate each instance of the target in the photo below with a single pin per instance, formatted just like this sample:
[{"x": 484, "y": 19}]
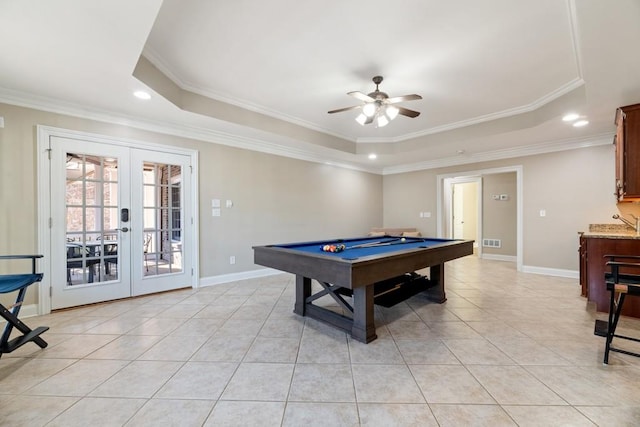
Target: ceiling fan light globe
[
  {"x": 391, "y": 112},
  {"x": 382, "y": 121},
  {"x": 361, "y": 119},
  {"x": 369, "y": 109}
]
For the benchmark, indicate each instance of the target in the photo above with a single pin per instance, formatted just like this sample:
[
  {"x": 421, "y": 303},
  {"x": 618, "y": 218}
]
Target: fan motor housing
[{"x": 378, "y": 96}]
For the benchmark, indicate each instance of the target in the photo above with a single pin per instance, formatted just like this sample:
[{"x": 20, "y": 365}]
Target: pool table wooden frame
[{"x": 359, "y": 275}]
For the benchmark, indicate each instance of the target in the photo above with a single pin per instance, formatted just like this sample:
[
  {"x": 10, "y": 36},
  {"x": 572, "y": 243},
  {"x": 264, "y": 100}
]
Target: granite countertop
[{"x": 610, "y": 231}]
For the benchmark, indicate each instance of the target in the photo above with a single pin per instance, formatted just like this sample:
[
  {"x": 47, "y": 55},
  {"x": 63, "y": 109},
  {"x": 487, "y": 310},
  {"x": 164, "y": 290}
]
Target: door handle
[{"x": 123, "y": 229}]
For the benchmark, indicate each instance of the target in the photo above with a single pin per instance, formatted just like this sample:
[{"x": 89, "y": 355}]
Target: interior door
[
  {"x": 458, "y": 211},
  {"x": 89, "y": 238},
  {"x": 121, "y": 221}
]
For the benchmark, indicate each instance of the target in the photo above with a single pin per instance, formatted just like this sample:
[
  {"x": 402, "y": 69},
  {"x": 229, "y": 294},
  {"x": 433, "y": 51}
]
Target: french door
[{"x": 120, "y": 221}]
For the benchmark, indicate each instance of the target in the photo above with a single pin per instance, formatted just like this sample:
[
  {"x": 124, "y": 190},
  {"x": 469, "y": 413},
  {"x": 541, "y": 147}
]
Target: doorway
[
  {"x": 464, "y": 210},
  {"x": 445, "y": 184},
  {"x": 461, "y": 209},
  {"x": 121, "y": 219}
]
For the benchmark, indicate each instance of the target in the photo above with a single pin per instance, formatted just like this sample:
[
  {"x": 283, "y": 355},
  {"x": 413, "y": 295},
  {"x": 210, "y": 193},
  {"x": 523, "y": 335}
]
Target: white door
[
  {"x": 161, "y": 221},
  {"x": 458, "y": 211},
  {"x": 117, "y": 222}
]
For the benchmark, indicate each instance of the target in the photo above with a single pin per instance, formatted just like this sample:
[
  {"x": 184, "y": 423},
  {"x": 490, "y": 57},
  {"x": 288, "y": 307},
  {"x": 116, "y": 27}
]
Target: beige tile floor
[{"x": 506, "y": 349}]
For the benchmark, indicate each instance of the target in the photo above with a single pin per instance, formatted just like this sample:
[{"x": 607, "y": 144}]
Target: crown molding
[
  {"x": 254, "y": 144},
  {"x": 540, "y": 102},
  {"x": 508, "y": 153},
  {"x": 188, "y": 86},
  {"x": 20, "y": 99}
]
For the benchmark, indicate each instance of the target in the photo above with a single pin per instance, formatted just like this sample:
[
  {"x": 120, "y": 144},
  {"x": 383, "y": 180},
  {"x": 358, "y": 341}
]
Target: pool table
[{"x": 366, "y": 266}]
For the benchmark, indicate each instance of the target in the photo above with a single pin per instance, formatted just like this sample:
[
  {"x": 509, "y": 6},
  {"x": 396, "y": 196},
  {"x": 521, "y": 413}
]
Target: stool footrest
[
  {"x": 618, "y": 350},
  {"x": 23, "y": 339},
  {"x": 625, "y": 287},
  {"x": 630, "y": 279}
]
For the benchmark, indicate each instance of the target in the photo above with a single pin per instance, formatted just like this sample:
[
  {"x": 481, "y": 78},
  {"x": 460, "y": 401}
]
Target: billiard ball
[{"x": 403, "y": 240}]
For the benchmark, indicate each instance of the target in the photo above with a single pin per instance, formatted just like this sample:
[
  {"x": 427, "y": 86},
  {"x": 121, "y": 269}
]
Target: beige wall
[
  {"x": 499, "y": 217},
  {"x": 405, "y": 196},
  {"x": 575, "y": 187},
  {"x": 276, "y": 199}
]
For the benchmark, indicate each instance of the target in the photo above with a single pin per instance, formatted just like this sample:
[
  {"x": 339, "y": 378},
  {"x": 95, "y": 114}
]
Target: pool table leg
[
  {"x": 364, "y": 328},
  {"x": 303, "y": 291},
  {"x": 436, "y": 276}
]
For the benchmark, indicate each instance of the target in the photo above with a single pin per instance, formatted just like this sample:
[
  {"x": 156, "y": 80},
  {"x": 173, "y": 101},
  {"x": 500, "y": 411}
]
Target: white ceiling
[{"x": 496, "y": 76}]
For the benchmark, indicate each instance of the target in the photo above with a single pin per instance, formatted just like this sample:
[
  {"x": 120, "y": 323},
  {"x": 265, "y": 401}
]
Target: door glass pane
[
  {"x": 91, "y": 194},
  {"x": 91, "y": 184},
  {"x": 162, "y": 201}
]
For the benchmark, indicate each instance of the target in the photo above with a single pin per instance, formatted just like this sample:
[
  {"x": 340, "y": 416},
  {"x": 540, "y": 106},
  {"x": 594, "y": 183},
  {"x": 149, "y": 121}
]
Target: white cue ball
[{"x": 403, "y": 240}]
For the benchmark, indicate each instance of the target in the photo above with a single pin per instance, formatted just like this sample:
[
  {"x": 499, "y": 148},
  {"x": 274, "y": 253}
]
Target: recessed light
[
  {"x": 372, "y": 156},
  {"x": 570, "y": 117},
  {"x": 141, "y": 94},
  {"x": 581, "y": 123}
]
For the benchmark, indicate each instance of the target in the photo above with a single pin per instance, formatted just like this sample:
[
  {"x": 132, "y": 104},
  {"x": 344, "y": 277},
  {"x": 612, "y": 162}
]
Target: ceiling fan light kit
[{"x": 378, "y": 108}]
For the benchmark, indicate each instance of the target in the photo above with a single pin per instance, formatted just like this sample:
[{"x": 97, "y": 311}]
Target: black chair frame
[
  {"x": 619, "y": 284},
  {"x": 20, "y": 283}
]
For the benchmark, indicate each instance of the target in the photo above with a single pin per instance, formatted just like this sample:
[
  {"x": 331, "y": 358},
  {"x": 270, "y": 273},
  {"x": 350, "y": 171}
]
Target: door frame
[
  {"x": 444, "y": 195},
  {"x": 44, "y": 133}
]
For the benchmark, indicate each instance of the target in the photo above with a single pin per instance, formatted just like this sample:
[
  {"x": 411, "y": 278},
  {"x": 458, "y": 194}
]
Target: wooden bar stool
[
  {"x": 621, "y": 285},
  {"x": 20, "y": 283}
]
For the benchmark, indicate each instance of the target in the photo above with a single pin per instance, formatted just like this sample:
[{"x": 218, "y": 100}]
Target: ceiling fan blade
[
  {"x": 397, "y": 99},
  {"x": 340, "y": 110},
  {"x": 361, "y": 96},
  {"x": 407, "y": 112}
]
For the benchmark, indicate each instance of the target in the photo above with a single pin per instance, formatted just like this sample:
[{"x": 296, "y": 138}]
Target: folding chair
[
  {"x": 20, "y": 283},
  {"x": 623, "y": 284}
]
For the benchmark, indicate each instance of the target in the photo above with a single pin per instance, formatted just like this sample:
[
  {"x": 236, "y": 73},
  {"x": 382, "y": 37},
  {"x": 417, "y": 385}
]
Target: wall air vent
[{"x": 491, "y": 243}]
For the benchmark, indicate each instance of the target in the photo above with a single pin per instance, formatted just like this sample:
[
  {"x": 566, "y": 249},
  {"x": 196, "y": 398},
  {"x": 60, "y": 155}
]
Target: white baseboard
[
  {"x": 495, "y": 257},
  {"x": 28, "y": 310},
  {"x": 233, "y": 277},
  {"x": 570, "y": 274}
]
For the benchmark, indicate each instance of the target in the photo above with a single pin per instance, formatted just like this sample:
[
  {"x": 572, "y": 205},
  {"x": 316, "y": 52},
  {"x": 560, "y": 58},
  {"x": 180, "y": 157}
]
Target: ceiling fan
[{"x": 378, "y": 108}]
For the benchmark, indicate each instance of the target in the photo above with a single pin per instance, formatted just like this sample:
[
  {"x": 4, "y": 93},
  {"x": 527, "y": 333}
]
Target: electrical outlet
[{"x": 232, "y": 259}]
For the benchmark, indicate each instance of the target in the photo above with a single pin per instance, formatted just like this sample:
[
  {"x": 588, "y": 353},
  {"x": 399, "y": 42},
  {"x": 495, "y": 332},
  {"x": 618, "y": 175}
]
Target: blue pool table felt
[{"x": 351, "y": 253}]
